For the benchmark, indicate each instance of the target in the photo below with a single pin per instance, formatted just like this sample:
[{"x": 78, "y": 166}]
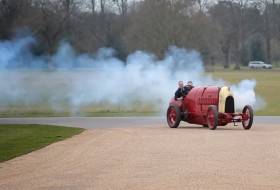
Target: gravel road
[
  {"x": 144, "y": 153},
  {"x": 114, "y": 122}
]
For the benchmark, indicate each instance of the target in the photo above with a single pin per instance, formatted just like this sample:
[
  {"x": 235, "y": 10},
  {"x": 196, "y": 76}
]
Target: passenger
[
  {"x": 180, "y": 92},
  {"x": 188, "y": 87}
]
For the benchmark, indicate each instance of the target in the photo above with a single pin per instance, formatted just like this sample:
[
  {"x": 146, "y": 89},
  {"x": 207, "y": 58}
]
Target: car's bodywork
[{"x": 209, "y": 106}]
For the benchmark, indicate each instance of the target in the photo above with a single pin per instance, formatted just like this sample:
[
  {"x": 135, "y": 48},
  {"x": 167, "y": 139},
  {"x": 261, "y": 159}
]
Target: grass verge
[{"x": 16, "y": 140}]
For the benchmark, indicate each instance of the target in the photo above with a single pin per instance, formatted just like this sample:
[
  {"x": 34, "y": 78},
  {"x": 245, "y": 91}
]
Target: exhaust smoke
[{"x": 80, "y": 80}]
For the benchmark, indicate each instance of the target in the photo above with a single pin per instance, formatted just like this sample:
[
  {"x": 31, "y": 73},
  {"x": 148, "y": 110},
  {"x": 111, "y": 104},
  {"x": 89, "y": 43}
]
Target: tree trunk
[
  {"x": 267, "y": 36},
  {"x": 226, "y": 63},
  {"x": 225, "y": 50}
]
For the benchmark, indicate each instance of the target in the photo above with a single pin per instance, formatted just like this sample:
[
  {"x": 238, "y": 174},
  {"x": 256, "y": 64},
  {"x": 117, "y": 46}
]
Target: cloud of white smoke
[{"x": 87, "y": 79}]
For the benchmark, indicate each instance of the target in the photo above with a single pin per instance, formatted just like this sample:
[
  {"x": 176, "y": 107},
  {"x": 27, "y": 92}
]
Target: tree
[
  {"x": 221, "y": 13},
  {"x": 56, "y": 21},
  {"x": 252, "y": 29},
  {"x": 269, "y": 12},
  {"x": 238, "y": 21},
  {"x": 275, "y": 20},
  {"x": 267, "y": 32},
  {"x": 10, "y": 11},
  {"x": 257, "y": 52},
  {"x": 102, "y": 27},
  {"x": 156, "y": 25},
  {"x": 226, "y": 30},
  {"x": 121, "y": 6}
]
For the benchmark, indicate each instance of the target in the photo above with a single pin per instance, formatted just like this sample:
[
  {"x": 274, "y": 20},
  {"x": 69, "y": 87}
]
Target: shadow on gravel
[{"x": 206, "y": 128}]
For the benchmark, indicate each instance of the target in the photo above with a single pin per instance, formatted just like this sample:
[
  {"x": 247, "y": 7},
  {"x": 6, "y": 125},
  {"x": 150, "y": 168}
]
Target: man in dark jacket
[
  {"x": 180, "y": 92},
  {"x": 188, "y": 87}
]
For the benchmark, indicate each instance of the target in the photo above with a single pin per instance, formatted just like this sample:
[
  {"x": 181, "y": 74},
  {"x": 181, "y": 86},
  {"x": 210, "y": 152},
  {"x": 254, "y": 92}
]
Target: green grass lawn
[{"x": 16, "y": 140}]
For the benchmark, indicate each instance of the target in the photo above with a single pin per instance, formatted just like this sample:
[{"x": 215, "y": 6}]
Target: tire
[
  {"x": 173, "y": 116},
  {"x": 248, "y": 111},
  {"x": 205, "y": 125},
  {"x": 212, "y": 117}
]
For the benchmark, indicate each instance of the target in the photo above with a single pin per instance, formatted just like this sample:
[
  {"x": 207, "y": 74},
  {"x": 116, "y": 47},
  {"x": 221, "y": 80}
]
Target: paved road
[{"x": 113, "y": 122}]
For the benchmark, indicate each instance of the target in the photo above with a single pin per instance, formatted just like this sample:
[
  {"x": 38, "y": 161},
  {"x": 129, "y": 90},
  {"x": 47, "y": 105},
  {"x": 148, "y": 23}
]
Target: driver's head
[
  {"x": 189, "y": 83},
  {"x": 181, "y": 84}
]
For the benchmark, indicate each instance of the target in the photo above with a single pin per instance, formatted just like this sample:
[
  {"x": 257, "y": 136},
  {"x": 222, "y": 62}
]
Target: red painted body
[{"x": 197, "y": 103}]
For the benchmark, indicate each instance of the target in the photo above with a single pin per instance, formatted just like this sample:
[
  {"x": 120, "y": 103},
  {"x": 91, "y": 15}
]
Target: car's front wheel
[
  {"x": 212, "y": 117},
  {"x": 173, "y": 116},
  {"x": 248, "y": 114}
]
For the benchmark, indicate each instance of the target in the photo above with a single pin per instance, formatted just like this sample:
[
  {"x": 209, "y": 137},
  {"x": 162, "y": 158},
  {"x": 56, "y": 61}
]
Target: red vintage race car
[{"x": 209, "y": 106}]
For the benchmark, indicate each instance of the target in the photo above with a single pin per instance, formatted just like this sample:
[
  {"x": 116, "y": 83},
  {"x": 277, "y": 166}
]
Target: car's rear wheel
[
  {"x": 248, "y": 113},
  {"x": 212, "y": 117},
  {"x": 173, "y": 116}
]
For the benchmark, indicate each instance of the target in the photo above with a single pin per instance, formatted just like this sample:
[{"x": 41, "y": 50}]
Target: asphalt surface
[{"x": 114, "y": 122}]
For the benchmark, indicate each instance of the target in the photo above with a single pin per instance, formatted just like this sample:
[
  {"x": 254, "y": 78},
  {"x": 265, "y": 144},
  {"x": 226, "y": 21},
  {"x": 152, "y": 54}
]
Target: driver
[
  {"x": 188, "y": 87},
  {"x": 180, "y": 92}
]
